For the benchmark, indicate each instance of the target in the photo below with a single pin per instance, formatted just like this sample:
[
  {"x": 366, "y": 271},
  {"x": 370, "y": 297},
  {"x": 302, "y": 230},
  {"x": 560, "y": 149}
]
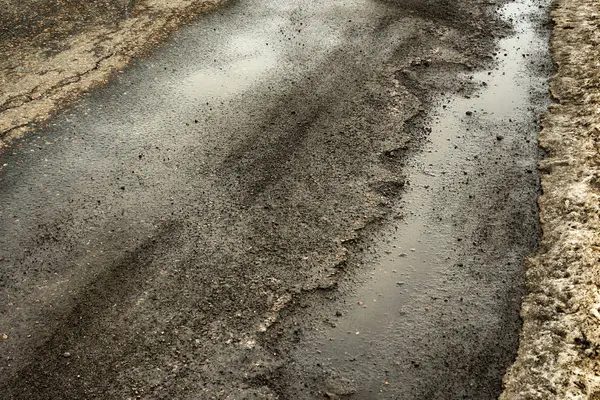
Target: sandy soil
[
  {"x": 54, "y": 50},
  {"x": 560, "y": 342}
]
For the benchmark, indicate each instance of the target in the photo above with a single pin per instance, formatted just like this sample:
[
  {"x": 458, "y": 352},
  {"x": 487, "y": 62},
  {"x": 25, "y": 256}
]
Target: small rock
[
  {"x": 339, "y": 386},
  {"x": 469, "y": 113},
  {"x": 400, "y": 283},
  {"x": 66, "y": 354},
  {"x": 499, "y": 137},
  {"x": 338, "y": 314}
]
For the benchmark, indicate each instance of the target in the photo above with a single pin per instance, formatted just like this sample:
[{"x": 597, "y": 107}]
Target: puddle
[{"x": 433, "y": 300}]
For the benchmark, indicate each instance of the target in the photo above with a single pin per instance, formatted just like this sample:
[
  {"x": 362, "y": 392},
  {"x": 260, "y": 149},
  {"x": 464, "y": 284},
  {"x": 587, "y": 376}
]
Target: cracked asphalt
[
  {"x": 177, "y": 232},
  {"x": 53, "y": 51}
]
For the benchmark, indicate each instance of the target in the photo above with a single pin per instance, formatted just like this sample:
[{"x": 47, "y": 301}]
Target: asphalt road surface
[{"x": 183, "y": 232}]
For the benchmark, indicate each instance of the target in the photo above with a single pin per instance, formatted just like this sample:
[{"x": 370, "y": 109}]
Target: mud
[
  {"x": 181, "y": 231},
  {"x": 558, "y": 353}
]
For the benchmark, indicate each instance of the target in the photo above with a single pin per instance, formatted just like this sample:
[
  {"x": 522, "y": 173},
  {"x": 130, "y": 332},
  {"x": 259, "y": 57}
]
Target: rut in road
[{"x": 443, "y": 287}]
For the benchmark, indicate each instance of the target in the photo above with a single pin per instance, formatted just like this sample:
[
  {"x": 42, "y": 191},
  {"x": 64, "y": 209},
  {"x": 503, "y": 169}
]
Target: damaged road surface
[{"x": 217, "y": 220}]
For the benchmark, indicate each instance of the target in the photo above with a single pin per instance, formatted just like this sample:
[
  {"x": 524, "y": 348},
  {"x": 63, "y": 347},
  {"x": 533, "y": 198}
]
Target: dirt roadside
[
  {"x": 560, "y": 342},
  {"x": 54, "y": 50}
]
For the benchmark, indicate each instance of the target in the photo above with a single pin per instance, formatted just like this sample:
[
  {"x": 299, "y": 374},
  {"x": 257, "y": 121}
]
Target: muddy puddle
[{"x": 441, "y": 302}]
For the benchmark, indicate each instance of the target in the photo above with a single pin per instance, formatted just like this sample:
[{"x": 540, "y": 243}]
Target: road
[{"x": 185, "y": 230}]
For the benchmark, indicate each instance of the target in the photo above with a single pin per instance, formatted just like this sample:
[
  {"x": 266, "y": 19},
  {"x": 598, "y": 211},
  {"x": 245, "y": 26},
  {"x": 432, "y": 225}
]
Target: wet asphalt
[
  {"x": 184, "y": 231},
  {"x": 434, "y": 314}
]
